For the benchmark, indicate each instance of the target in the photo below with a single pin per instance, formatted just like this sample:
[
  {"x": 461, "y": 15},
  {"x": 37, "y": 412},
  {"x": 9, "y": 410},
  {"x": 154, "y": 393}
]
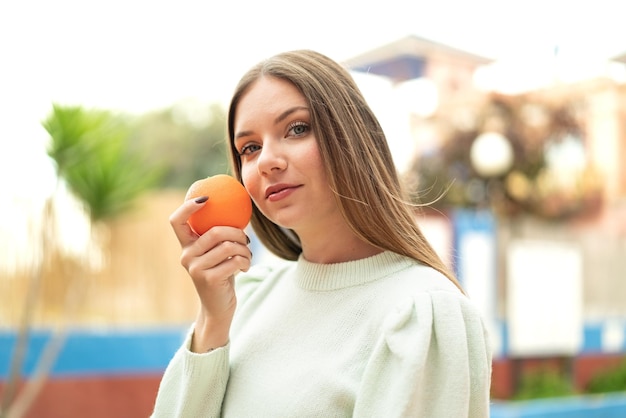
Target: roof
[{"x": 405, "y": 58}]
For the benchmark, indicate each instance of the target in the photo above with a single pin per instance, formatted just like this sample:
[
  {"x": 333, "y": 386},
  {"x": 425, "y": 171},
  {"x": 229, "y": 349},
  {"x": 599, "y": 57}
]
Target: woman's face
[{"x": 281, "y": 165}]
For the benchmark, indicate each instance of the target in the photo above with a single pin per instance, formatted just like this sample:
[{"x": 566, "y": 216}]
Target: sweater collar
[{"x": 325, "y": 277}]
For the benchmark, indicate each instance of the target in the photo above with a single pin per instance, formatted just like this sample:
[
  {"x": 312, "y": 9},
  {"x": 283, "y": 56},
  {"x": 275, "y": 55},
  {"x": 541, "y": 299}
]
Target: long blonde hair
[{"x": 356, "y": 157}]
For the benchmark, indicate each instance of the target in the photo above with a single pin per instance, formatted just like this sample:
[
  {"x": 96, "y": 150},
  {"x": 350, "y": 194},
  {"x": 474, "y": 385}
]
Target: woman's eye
[
  {"x": 298, "y": 128},
  {"x": 249, "y": 149}
]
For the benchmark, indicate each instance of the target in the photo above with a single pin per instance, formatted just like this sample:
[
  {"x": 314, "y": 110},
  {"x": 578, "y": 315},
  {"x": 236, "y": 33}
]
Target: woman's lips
[{"x": 279, "y": 191}]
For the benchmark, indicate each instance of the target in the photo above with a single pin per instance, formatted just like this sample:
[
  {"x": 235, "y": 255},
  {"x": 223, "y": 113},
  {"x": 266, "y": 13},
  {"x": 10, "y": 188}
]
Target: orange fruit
[{"x": 229, "y": 203}]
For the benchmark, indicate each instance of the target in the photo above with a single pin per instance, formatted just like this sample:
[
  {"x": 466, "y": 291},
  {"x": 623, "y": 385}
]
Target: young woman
[{"x": 362, "y": 319}]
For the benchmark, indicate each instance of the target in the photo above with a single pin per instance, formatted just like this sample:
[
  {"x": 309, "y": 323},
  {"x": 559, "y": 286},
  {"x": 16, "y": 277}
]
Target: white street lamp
[{"x": 491, "y": 154}]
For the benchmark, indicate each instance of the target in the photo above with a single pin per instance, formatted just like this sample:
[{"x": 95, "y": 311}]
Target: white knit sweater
[{"x": 378, "y": 337}]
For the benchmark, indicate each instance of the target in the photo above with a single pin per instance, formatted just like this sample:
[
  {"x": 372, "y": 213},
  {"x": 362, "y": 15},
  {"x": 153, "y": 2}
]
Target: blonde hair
[{"x": 356, "y": 157}]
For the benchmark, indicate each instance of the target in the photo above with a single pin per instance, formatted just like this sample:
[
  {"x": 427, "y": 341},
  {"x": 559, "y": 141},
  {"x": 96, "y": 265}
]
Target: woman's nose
[{"x": 271, "y": 158}]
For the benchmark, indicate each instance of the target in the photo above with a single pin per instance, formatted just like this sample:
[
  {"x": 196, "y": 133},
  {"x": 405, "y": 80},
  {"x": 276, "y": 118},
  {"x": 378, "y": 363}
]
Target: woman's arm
[
  {"x": 195, "y": 380},
  {"x": 193, "y": 384}
]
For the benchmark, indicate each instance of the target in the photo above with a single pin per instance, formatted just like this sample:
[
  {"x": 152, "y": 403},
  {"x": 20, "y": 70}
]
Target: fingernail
[
  {"x": 247, "y": 239},
  {"x": 201, "y": 199}
]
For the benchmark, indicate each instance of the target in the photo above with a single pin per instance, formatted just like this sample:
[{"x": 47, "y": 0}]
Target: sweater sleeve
[
  {"x": 432, "y": 360},
  {"x": 193, "y": 384}
]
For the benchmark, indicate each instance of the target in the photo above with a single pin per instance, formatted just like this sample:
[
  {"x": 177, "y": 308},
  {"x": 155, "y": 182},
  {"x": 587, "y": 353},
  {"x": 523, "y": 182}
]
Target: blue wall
[
  {"x": 604, "y": 406},
  {"x": 132, "y": 351}
]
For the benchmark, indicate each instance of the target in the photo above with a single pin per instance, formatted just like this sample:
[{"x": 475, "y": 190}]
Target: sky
[
  {"x": 141, "y": 55},
  {"x": 138, "y": 55}
]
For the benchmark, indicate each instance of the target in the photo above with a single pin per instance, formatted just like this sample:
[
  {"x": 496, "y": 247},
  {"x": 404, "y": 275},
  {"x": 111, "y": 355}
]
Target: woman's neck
[{"x": 334, "y": 244}]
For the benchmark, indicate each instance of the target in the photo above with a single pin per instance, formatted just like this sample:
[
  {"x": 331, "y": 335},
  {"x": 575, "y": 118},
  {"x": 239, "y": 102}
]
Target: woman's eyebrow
[
  {"x": 242, "y": 134},
  {"x": 279, "y": 119},
  {"x": 288, "y": 112}
]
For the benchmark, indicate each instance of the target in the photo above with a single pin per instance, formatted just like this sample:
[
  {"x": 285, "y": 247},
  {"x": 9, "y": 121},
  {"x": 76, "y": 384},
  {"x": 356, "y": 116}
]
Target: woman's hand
[{"x": 212, "y": 260}]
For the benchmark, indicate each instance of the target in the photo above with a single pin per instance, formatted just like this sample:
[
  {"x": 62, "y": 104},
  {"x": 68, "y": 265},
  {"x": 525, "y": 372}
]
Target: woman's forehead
[{"x": 268, "y": 96}]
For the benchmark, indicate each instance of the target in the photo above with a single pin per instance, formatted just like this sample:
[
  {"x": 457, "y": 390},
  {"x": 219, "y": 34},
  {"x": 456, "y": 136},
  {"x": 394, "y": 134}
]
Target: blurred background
[{"x": 507, "y": 121}]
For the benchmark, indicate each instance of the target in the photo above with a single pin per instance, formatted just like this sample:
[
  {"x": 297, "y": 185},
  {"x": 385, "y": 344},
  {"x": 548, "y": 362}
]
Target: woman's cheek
[{"x": 251, "y": 183}]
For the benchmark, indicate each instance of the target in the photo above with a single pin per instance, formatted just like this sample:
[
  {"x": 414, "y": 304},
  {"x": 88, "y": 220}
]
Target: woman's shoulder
[
  {"x": 434, "y": 313},
  {"x": 424, "y": 297},
  {"x": 437, "y": 338},
  {"x": 416, "y": 277}
]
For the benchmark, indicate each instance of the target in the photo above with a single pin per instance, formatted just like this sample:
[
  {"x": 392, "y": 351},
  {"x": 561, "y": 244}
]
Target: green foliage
[
  {"x": 187, "y": 148},
  {"x": 107, "y": 160},
  {"x": 92, "y": 155},
  {"x": 610, "y": 380},
  {"x": 544, "y": 383}
]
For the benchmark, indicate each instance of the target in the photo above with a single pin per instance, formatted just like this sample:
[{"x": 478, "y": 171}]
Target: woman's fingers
[
  {"x": 212, "y": 261},
  {"x": 220, "y": 234},
  {"x": 223, "y": 258},
  {"x": 178, "y": 220},
  {"x": 218, "y": 253}
]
